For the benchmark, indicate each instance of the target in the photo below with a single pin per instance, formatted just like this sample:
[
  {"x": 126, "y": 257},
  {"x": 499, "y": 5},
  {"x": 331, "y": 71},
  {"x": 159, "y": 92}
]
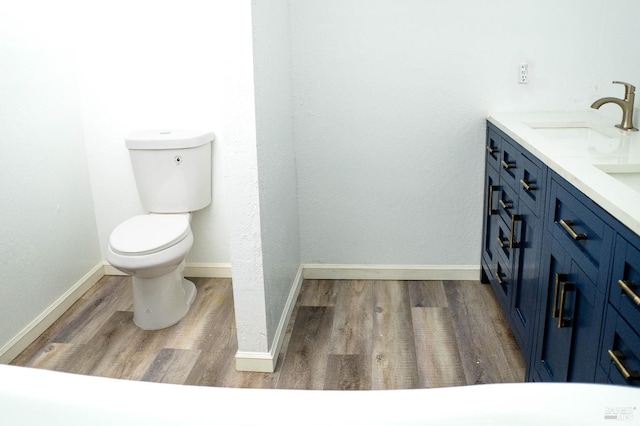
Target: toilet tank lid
[{"x": 167, "y": 139}]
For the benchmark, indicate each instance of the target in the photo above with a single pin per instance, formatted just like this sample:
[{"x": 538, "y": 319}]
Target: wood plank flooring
[{"x": 342, "y": 335}]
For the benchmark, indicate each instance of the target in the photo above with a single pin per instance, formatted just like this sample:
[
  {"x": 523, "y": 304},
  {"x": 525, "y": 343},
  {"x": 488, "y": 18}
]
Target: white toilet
[{"x": 173, "y": 175}]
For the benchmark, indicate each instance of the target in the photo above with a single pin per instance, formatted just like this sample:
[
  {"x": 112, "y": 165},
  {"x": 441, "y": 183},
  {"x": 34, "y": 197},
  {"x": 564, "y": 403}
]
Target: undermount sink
[
  {"x": 628, "y": 174},
  {"x": 571, "y": 130}
]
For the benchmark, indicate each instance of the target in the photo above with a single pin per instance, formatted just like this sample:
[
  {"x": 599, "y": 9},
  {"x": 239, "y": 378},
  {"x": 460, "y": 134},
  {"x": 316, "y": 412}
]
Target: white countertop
[{"x": 576, "y": 159}]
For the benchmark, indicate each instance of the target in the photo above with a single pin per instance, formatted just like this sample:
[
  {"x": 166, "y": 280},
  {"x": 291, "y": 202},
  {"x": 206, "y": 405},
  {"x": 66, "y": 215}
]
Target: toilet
[{"x": 172, "y": 169}]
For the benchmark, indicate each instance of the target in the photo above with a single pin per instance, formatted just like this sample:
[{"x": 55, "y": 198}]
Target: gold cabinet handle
[
  {"x": 559, "y": 278},
  {"x": 499, "y": 275},
  {"x": 567, "y": 225},
  {"x": 617, "y": 357},
  {"x": 491, "y": 149},
  {"x": 506, "y": 205},
  {"x": 528, "y": 186},
  {"x": 508, "y": 165},
  {"x": 513, "y": 244},
  {"x": 628, "y": 288},
  {"x": 562, "y": 320},
  {"x": 491, "y": 211}
]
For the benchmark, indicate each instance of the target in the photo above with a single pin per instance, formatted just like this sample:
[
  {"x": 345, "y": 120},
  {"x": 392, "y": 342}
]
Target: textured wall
[
  {"x": 48, "y": 236},
  {"x": 390, "y": 99},
  {"x": 276, "y": 158}
]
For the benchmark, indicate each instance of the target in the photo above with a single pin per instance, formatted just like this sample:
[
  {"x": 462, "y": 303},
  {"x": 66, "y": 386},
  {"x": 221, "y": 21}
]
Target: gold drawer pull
[
  {"x": 628, "y": 288},
  {"x": 508, "y": 165},
  {"x": 617, "y": 357},
  {"x": 502, "y": 243},
  {"x": 499, "y": 275},
  {"x": 506, "y": 205},
  {"x": 491, "y": 211},
  {"x": 528, "y": 186},
  {"x": 567, "y": 225},
  {"x": 513, "y": 244},
  {"x": 491, "y": 149},
  {"x": 562, "y": 320},
  {"x": 560, "y": 277}
]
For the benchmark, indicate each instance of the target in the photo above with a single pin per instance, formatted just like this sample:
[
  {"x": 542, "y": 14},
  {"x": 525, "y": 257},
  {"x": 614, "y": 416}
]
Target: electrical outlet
[{"x": 523, "y": 73}]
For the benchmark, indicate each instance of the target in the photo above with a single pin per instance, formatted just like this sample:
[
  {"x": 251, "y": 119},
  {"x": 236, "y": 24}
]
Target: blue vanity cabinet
[
  {"x": 566, "y": 272},
  {"x": 620, "y": 351},
  {"x": 515, "y": 183}
]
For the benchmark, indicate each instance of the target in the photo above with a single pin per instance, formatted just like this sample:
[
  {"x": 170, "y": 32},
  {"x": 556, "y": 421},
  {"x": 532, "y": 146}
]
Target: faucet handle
[{"x": 629, "y": 89}]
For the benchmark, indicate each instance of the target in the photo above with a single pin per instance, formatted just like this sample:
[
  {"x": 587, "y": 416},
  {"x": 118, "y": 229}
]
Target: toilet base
[{"x": 162, "y": 301}]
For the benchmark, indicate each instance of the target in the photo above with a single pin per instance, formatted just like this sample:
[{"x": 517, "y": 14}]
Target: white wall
[
  {"x": 390, "y": 101},
  {"x": 262, "y": 177},
  {"x": 48, "y": 236},
  {"x": 618, "y": 33},
  {"x": 276, "y": 157}
]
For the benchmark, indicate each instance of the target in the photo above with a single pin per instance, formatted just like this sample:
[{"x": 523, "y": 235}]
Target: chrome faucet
[{"x": 626, "y": 104}]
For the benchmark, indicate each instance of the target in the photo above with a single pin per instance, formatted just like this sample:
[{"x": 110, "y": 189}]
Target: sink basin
[
  {"x": 628, "y": 174},
  {"x": 571, "y": 130}
]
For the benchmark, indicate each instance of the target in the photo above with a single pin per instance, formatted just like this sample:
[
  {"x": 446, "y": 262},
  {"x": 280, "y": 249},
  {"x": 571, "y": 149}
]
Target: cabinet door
[
  {"x": 523, "y": 302},
  {"x": 625, "y": 280},
  {"x": 570, "y": 319},
  {"x": 490, "y": 224},
  {"x": 620, "y": 354}
]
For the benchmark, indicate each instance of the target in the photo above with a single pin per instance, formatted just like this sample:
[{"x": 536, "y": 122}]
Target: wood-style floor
[{"x": 342, "y": 335}]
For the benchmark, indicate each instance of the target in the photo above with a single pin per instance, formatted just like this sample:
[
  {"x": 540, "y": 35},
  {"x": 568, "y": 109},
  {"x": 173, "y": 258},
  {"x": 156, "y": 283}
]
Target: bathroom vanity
[{"x": 561, "y": 242}]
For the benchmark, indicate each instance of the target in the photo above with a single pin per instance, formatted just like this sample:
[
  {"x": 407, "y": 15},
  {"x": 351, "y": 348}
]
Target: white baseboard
[
  {"x": 195, "y": 270},
  {"x": 265, "y": 362},
  {"x": 32, "y": 331},
  {"x": 317, "y": 271}
]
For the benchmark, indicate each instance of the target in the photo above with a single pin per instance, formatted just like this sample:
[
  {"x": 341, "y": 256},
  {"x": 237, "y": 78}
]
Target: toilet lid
[{"x": 146, "y": 234}]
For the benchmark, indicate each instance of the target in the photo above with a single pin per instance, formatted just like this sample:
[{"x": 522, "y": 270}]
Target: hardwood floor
[{"x": 342, "y": 335}]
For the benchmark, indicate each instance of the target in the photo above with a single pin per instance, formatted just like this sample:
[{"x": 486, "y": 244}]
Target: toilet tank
[{"x": 172, "y": 169}]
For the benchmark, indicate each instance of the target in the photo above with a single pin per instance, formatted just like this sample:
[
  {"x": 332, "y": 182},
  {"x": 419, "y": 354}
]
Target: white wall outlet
[{"x": 523, "y": 73}]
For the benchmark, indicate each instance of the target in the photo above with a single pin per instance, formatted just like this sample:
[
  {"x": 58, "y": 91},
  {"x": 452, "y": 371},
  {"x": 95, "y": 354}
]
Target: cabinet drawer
[
  {"x": 509, "y": 164},
  {"x": 494, "y": 147},
  {"x": 625, "y": 282},
  {"x": 503, "y": 283},
  {"x": 507, "y": 241},
  {"x": 620, "y": 354},
  {"x": 507, "y": 204},
  {"x": 531, "y": 185},
  {"x": 585, "y": 235}
]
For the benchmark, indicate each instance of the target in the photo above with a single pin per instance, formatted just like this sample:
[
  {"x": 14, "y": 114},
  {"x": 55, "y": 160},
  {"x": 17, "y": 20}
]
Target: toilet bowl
[
  {"x": 152, "y": 248},
  {"x": 172, "y": 169}
]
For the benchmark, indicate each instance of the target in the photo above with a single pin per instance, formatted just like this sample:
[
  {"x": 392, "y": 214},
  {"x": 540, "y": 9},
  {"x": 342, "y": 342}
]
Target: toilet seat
[{"x": 146, "y": 234}]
